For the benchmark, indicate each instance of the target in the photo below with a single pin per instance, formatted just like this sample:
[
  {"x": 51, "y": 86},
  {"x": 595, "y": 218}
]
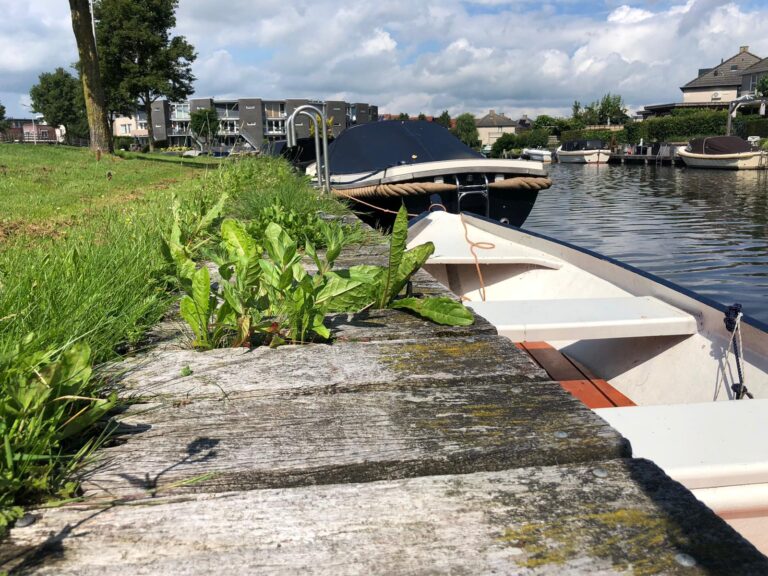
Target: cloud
[{"x": 521, "y": 57}]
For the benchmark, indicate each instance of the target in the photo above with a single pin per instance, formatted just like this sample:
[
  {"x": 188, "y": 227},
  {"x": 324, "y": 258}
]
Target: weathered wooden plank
[
  {"x": 316, "y": 367},
  {"x": 440, "y": 427},
  {"x": 623, "y": 517},
  {"x": 373, "y": 325}
]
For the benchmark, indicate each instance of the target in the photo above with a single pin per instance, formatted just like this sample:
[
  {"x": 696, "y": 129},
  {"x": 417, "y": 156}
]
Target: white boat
[
  {"x": 655, "y": 360},
  {"x": 381, "y": 165},
  {"x": 583, "y": 152},
  {"x": 723, "y": 153},
  {"x": 537, "y": 154}
]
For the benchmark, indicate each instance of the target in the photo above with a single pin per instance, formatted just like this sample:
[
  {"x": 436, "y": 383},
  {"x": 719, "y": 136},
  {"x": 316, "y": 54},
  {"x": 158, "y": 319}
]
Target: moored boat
[
  {"x": 381, "y": 165},
  {"x": 537, "y": 154},
  {"x": 650, "y": 357},
  {"x": 583, "y": 152},
  {"x": 723, "y": 153}
]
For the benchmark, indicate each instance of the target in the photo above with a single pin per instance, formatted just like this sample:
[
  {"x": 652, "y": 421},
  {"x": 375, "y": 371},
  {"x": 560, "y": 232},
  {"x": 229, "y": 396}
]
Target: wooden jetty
[
  {"x": 404, "y": 447},
  {"x": 659, "y": 155}
]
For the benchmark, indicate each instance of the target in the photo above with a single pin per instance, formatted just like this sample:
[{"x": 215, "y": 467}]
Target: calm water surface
[{"x": 706, "y": 230}]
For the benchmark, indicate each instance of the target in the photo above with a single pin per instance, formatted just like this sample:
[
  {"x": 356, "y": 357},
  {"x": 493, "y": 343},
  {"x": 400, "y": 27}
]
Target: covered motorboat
[
  {"x": 583, "y": 152},
  {"x": 724, "y": 153},
  {"x": 683, "y": 378},
  {"x": 381, "y": 165}
]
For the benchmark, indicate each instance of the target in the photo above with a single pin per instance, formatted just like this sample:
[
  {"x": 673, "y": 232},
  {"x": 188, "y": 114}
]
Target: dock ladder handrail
[{"x": 323, "y": 178}]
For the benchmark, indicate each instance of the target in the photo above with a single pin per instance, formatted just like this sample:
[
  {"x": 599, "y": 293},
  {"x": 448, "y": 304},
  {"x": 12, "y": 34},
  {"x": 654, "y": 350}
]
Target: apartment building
[{"x": 254, "y": 120}]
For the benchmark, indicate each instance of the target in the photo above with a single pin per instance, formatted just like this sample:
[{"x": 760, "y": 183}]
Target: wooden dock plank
[
  {"x": 618, "y": 517},
  {"x": 438, "y": 427},
  {"x": 317, "y": 367}
]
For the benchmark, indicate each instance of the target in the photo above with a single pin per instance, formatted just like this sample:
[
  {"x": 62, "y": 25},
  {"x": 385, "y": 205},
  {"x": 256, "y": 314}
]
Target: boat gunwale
[
  {"x": 355, "y": 180},
  {"x": 733, "y": 156},
  {"x": 753, "y": 322}
]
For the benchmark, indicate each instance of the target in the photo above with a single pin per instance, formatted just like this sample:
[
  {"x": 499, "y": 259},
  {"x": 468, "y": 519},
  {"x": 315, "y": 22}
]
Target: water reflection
[{"x": 705, "y": 230}]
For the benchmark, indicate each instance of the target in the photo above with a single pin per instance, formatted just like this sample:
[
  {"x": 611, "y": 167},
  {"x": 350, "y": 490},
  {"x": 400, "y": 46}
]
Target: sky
[{"x": 514, "y": 56}]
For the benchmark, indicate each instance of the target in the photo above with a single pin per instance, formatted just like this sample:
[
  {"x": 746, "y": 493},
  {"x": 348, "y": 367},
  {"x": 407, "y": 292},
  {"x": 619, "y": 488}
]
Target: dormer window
[{"x": 716, "y": 73}]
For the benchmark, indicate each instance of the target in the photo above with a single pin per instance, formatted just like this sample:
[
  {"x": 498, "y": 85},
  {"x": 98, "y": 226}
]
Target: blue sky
[{"x": 515, "y": 56}]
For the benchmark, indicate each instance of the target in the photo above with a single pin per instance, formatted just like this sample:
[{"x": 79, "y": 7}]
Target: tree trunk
[
  {"x": 150, "y": 125},
  {"x": 95, "y": 107}
]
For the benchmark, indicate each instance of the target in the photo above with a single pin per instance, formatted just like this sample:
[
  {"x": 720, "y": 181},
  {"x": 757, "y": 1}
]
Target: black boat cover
[
  {"x": 574, "y": 145},
  {"x": 719, "y": 145},
  {"x": 379, "y": 145}
]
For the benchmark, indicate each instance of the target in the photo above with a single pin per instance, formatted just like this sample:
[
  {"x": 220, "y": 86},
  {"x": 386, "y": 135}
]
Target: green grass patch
[{"x": 42, "y": 186}]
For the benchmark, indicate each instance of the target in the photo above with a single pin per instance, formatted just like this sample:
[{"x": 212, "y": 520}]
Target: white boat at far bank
[
  {"x": 650, "y": 357},
  {"x": 537, "y": 154},
  {"x": 723, "y": 153},
  {"x": 583, "y": 152}
]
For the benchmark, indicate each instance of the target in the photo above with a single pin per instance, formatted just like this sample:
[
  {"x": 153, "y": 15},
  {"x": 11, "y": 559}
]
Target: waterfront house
[
  {"x": 493, "y": 126},
  {"x": 715, "y": 87}
]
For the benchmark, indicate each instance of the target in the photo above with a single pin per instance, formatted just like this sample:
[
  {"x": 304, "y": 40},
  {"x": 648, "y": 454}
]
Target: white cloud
[{"x": 426, "y": 56}]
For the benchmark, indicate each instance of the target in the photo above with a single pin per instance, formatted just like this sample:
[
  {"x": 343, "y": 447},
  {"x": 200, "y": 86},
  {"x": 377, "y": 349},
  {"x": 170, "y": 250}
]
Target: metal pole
[
  {"x": 291, "y": 137},
  {"x": 317, "y": 146}
]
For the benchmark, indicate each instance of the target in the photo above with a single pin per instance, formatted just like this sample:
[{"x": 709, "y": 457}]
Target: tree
[
  {"x": 93, "y": 93},
  {"x": 611, "y": 110},
  {"x": 444, "y": 120},
  {"x": 204, "y": 124},
  {"x": 466, "y": 130},
  {"x": 3, "y": 121},
  {"x": 58, "y": 96},
  {"x": 762, "y": 87},
  {"x": 140, "y": 58},
  {"x": 422, "y": 116},
  {"x": 403, "y": 116}
]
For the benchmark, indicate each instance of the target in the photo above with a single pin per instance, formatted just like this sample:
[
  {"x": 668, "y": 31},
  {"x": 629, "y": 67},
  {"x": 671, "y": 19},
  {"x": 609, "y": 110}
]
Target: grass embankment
[{"x": 82, "y": 276}]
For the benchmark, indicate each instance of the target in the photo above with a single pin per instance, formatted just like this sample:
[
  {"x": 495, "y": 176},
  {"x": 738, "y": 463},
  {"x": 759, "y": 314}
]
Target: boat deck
[{"x": 574, "y": 378}]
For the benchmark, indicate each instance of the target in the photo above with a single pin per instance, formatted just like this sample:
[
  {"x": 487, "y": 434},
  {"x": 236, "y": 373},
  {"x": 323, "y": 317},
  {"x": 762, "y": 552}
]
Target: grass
[
  {"x": 45, "y": 186},
  {"x": 82, "y": 277}
]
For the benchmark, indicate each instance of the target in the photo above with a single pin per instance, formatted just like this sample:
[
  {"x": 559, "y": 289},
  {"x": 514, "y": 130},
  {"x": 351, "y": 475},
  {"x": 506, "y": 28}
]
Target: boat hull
[
  {"x": 742, "y": 161},
  {"x": 537, "y": 155},
  {"x": 583, "y": 156},
  {"x": 457, "y": 185}
]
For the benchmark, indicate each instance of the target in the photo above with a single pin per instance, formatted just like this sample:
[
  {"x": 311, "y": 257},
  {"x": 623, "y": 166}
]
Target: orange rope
[
  {"x": 472, "y": 246},
  {"x": 379, "y": 208}
]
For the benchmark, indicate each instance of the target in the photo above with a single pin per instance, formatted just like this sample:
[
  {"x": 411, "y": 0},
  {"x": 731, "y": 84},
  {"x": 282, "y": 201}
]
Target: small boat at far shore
[
  {"x": 537, "y": 154},
  {"x": 583, "y": 152},
  {"x": 723, "y": 153},
  {"x": 666, "y": 367}
]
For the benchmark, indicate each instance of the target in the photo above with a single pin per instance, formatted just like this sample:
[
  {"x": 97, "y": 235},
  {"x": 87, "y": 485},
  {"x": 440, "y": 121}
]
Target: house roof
[
  {"x": 761, "y": 66},
  {"x": 494, "y": 120},
  {"x": 722, "y": 75}
]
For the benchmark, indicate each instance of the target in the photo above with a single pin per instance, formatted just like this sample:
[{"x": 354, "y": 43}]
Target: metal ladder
[
  {"x": 473, "y": 189},
  {"x": 323, "y": 178}
]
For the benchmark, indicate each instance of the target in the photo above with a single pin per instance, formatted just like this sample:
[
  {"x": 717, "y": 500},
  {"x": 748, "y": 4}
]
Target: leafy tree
[
  {"x": 204, "y": 124},
  {"x": 762, "y": 86},
  {"x": 466, "y": 130},
  {"x": 140, "y": 59},
  {"x": 576, "y": 109},
  {"x": 611, "y": 110},
  {"x": 444, "y": 120},
  {"x": 58, "y": 96},
  {"x": 93, "y": 92},
  {"x": 422, "y": 116},
  {"x": 3, "y": 121},
  {"x": 403, "y": 116}
]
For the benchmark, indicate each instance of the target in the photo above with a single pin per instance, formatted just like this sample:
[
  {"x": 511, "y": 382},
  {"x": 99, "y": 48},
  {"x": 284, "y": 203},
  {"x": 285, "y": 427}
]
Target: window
[
  {"x": 275, "y": 126},
  {"x": 125, "y": 129},
  {"x": 44, "y": 134},
  {"x": 734, "y": 67}
]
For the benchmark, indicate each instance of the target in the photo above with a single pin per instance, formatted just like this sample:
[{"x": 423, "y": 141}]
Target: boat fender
[{"x": 732, "y": 322}]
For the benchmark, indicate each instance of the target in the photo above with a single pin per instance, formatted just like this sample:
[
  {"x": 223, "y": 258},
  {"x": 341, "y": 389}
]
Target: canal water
[{"x": 706, "y": 230}]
